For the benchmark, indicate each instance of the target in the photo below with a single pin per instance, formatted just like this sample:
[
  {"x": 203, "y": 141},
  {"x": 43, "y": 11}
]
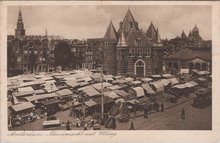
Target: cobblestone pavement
[{"x": 170, "y": 119}]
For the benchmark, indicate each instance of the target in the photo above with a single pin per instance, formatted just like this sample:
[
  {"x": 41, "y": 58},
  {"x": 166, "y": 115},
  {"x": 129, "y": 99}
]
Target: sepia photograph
[{"x": 109, "y": 67}]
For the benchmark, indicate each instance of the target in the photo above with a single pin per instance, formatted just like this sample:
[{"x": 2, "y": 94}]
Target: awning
[
  {"x": 106, "y": 100},
  {"x": 147, "y": 79},
  {"x": 112, "y": 95},
  {"x": 203, "y": 72},
  {"x": 184, "y": 71},
  {"x": 96, "y": 76},
  {"x": 89, "y": 90},
  {"x": 72, "y": 83},
  {"x": 64, "y": 92},
  {"x": 87, "y": 79},
  {"x": 158, "y": 86},
  {"x": 108, "y": 77},
  {"x": 118, "y": 77},
  {"x": 47, "y": 78},
  {"x": 22, "y": 106},
  {"x": 50, "y": 81},
  {"x": 39, "y": 97},
  {"x": 115, "y": 87},
  {"x": 83, "y": 83},
  {"x": 202, "y": 79},
  {"x": 193, "y": 83},
  {"x": 90, "y": 103},
  {"x": 148, "y": 89},
  {"x": 139, "y": 91},
  {"x": 156, "y": 76},
  {"x": 173, "y": 81},
  {"x": 26, "y": 89},
  {"x": 98, "y": 86}
]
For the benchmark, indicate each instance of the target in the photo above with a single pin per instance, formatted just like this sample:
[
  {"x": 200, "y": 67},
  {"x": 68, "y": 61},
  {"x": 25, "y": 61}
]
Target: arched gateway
[{"x": 139, "y": 68}]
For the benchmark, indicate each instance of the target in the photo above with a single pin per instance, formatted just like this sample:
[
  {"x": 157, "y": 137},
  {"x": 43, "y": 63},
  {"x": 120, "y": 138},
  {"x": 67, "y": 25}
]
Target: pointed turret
[
  {"x": 20, "y": 31},
  {"x": 183, "y": 35},
  {"x": 46, "y": 32},
  {"x": 110, "y": 33},
  {"x": 122, "y": 41},
  {"x": 190, "y": 34},
  {"x": 128, "y": 23},
  {"x": 151, "y": 32},
  {"x": 158, "y": 37}
]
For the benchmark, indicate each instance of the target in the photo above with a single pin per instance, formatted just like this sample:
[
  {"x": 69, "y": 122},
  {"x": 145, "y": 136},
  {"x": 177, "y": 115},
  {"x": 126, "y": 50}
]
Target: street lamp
[{"x": 102, "y": 95}]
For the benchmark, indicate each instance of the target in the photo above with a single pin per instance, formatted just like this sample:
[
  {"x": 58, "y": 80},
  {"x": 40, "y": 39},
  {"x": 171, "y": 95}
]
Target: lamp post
[{"x": 102, "y": 95}]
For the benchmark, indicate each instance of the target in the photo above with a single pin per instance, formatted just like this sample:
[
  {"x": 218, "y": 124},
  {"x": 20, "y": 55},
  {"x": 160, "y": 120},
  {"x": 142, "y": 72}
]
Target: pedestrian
[
  {"x": 132, "y": 125},
  {"x": 183, "y": 114},
  {"x": 157, "y": 106},
  {"x": 145, "y": 112},
  {"x": 85, "y": 126},
  {"x": 68, "y": 125},
  {"x": 113, "y": 123},
  {"x": 92, "y": 122},
  {"x": 162, "y": 106}
]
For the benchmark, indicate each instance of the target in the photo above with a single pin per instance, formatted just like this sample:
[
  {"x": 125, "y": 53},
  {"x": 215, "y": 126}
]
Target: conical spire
[
  {"x": 183, "y": 35},
  {"x": 46, "y": 32},
  {"x": 20, "y": 26},
  {"x": 110, "y": 32},
  {"x": 122, "y": 41},
  {"x": 158, "y": 37},
  {"x": 190, "y": 33},
  {"x": 151, "y": 32},
  {"x": 128, "y": 23}
]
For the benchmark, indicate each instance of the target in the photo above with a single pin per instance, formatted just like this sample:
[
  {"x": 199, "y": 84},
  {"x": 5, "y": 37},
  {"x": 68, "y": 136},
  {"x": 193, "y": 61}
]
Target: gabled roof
[
  {"x": 128, "y": 19},
  {"x": 151, "y": 32},
  {"x": 110, "y": 33},
  {"x": 190, "y": 54},
  {"x": 138, "y": 34}
]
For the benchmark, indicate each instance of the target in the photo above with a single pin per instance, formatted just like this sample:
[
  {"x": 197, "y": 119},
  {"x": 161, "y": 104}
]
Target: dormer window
[
  {"x": 131, "y": 25},
  {"x": 138, "y": 42},
  {"x": 106, "y": 43}
]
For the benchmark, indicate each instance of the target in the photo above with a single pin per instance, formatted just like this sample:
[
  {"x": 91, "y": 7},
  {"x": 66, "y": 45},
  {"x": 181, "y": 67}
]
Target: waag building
[{"x": 128, "y": 51}]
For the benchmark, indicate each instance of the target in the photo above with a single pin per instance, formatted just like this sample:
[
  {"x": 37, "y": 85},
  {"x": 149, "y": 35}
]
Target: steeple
[
  {"x": 151, "y": 32},
  {"x": 46, "y": 34},
  {"x": 122, "y": 41},
  {"x": 190, "y": 34},
  {"x": 128, "y": 23},
  {"x": 110, "y": 32},
  {"x": 20, "y": 31},
  {"x": 158, "y": 37},
  {"x": 183, "y": 35}
]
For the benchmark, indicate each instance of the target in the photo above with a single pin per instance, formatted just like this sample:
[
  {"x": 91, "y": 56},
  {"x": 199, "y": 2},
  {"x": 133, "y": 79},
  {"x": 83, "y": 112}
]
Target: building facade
[{"x": 130, "y": 51}]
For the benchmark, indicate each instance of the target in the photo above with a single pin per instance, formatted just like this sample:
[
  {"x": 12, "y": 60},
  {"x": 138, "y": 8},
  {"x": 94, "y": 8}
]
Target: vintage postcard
[{"x": 110, "y": 71}]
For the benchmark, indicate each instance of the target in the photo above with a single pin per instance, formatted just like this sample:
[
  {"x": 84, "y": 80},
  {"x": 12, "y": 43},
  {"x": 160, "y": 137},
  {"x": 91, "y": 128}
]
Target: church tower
[
  {"x": 20, "y": 31},
  {"x": 109, "y": 44},
  {"x": 122, "y": 54}
]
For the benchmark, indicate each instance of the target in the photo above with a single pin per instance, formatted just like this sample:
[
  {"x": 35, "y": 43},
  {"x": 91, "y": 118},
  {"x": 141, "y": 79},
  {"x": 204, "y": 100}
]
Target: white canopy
[
  {"x": 136, "y": 82},
  {"x": 129, "y": 79},
  {"x": 148, "y": 88},
  {"x": 98, "y": 86},
  {"x": 139, "y": 91},
  {"x": 112, "y": 95},
  {"x": 174, "y": 81},
  {"x": 89, "y": 90},
  {"x": 146, "y": 79},
  {"x": 180, "y": 86},
  {"x": 167, "y": 75},
  {"x": 64, "y": 92},
  {"x": 115, "y": 87},
  {"x": 50, "y": 87},
  {"x": 158, "y": 86},
  {"x": 72, "y": 83},
  {"x": 184, "y": 71},
  {"x": 41, "y": 96},
  {"x": 22, "y": 106}
]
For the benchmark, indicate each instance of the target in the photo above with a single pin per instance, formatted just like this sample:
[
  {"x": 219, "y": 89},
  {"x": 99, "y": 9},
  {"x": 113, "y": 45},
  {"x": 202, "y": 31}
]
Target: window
[
  {"x": 19, "y": 59},
  {"x": 40, "y": 58},
  {"x": 73, "y": 50},
  {"x": 35, "y": 52},
  {"x": 25, "y": 51},
  {"x": 119, "y": 56},
  {"x": 147, "y": 52},
  {"x": 138, "y": 42},
  {"x": 131, "y": 25},
  {"x": 106, "y": 43}
]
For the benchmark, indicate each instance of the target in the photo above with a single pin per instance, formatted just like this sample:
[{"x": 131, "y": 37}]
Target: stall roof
[
  {"x": 96, "y": 76},
  {"x": 156, "y": 76},
  {"x": 117, "y": 77},
  {"x": 83, "y": 83},
  {"x": 201, "y": 79},
  {"x": 108, "y": 77},
  {"x": 136, "y": 82},
  {"x": 164, "y": 82},
  {"x": 159, "y": 87},
  {"x": 50, "y": 102},
  {"x": 98, "y": 86},
  {"x": 87, "y": 79},
  {"x": 115, "y": 87},
  {"x": 47, "y": 78},
  {"x": 89, "y": 90},
  {"x": 111, "y": 94},
  {"x": 39, "y": 91},
  {"x": 191, "y": 84},
  {"x": 90, "y": 103},
  {"x": 203, "y": 72},
  {"x": 119, "y": 81},
  {"x": 20, "y": 94},
  {"x": 72, "y": 83},
  {"x": 174, "y": 81},
  {"x": 184, "y": 71},
  {"x": 146, "y": 79},
  {"x": 22, "y": 106},
  {"x": 64, "y": 92},
  {"x": 167, "y": 75},
  {"x": 26, "y": 89},
  {"x": 139, "y": 91},
  {"x": 50, "y": 87},
  {"x": 121, "y": 93},
  {"x": 180, "y": 86},
  {"x": 148, "y": 89},
  {"x": 39, "y": 97},
  {"x": 129, "y": 79},
  {"x": 106, "y": 100},
  {"x": 50, "y": 81}
]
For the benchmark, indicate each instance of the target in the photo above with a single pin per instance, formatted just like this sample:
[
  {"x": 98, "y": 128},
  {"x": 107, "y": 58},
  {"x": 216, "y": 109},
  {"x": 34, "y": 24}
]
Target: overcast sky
[{"x": 82, "y": 22}]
